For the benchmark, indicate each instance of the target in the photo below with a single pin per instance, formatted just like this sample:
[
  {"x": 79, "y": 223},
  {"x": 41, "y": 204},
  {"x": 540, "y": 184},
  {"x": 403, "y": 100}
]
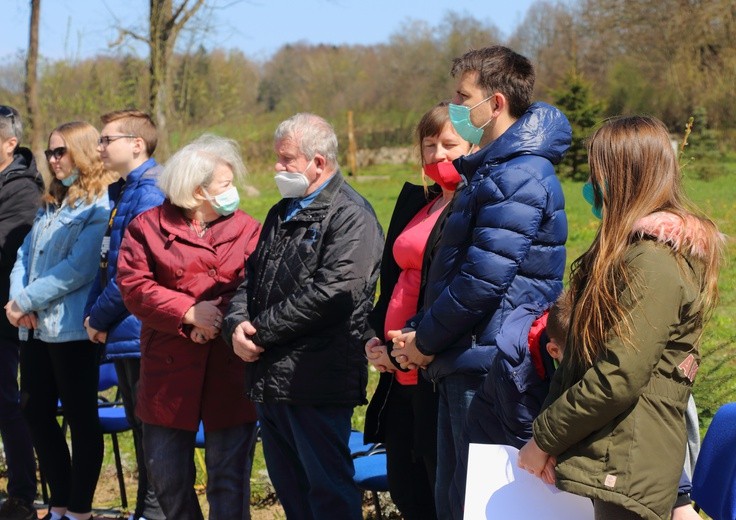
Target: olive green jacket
[{"x": 617, "y": 429}]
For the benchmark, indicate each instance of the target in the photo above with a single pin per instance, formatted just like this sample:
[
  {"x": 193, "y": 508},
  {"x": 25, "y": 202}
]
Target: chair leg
[
  {"x": 377, "y": 504},
  {"x": 119, "y": 468}
]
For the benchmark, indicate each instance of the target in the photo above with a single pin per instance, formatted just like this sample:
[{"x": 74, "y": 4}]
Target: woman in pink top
[{"x": 403, "y": 411}]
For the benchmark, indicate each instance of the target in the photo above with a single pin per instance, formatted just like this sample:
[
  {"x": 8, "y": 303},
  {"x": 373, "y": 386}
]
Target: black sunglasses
[
  {"x": 6, "y": 111},
  {"x": 56, "y": 153}
]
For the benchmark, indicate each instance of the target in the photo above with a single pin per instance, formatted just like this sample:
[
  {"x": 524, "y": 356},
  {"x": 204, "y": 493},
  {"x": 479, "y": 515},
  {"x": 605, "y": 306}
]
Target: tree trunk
[
  {"x": 30, "y": 90},
  {"x": 160, "y": 13},
  {"x": 166, "y": 21}
]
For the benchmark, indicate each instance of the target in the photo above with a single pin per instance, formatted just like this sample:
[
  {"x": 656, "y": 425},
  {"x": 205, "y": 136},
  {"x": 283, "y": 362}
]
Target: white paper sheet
[{"x": 497, "y": 489}]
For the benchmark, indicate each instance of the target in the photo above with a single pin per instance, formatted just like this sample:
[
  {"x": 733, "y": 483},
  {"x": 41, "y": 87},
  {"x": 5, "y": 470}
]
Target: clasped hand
[
  {"x": 537, "y": 462},
  {"x": 405, "y": 349},
  {"x": 18, "y": 318},
  {"x": 377, "y": 355},
  {"x": 206, "y": 320}
]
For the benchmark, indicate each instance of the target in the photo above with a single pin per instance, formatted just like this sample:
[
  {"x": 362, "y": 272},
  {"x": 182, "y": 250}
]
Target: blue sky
[{"x": 74, "y": 29}]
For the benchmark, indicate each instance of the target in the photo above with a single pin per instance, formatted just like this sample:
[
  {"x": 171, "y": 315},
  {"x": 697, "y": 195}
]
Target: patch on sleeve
[
  {"x": 689, "y": 367},
  {"x": 610, "y": 481}
]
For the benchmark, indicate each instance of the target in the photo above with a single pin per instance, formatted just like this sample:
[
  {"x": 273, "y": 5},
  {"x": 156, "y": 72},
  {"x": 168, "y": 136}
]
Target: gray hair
[
  {"x": 313, "y": 135},
  {"x": 11, "y": 126},
  {"x": 193, "y": 166}
]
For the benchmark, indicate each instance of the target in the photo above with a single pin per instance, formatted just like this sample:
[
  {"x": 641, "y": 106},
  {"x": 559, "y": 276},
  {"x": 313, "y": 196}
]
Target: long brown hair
[
  {"x": 80, "y": 139},
  {"x": 633, "y": 164}
]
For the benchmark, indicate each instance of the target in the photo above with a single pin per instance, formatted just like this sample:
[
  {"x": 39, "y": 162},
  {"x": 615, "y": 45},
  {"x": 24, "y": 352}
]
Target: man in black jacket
[
  {"x": 298, "y": 320},
  {"x": 20, "y": 194}
]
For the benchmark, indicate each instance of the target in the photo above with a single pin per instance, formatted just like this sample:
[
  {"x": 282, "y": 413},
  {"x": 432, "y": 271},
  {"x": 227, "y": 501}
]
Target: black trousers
[
  {"x": 68, "y": 371},
  {"x": 411, "y": 448}
]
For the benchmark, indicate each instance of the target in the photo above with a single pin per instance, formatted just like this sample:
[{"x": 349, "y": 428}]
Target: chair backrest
[
  {"x": 714, "y": 479},
  {"x": 108, "y": 377}
]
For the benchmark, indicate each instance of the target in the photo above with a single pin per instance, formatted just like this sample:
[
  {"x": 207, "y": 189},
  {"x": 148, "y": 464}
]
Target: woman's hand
[
  {"x": 377, "y": 355},
  {"x": 533, "y": 459},
  {"x": 29, "y": 321},
  {"x": 205, "y": 315},
  {"x": 200, "y": 335},
  {"x": 14, "y": 313}
]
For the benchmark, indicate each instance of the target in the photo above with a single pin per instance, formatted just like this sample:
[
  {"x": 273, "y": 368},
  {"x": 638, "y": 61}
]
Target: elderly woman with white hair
[{"x": 179, "y": 265}]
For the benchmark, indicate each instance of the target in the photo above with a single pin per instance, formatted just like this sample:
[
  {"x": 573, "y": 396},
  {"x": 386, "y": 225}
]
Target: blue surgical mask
[
  {"x": 460, "y": 119},
  {"x": 589, "y": 193},
  {"x": 68, "y": 181},
  {"x": 226, "y": 202}
]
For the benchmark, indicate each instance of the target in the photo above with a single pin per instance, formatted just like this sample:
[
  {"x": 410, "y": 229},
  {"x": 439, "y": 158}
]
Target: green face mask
[
  {"x": 226, "y": 202},
  {"x": 460, "y": 119},
  {"x": 589, "y": 194}
]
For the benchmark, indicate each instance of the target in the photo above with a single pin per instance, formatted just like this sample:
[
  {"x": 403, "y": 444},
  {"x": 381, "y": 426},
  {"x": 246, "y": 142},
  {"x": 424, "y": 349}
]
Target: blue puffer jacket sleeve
[
  {"x": 105, "y": 306},
  {"x": 508, "y": 216}
]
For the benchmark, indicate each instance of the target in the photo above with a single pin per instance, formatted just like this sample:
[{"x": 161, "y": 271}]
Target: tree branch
[{"x": 185, "y": 14}]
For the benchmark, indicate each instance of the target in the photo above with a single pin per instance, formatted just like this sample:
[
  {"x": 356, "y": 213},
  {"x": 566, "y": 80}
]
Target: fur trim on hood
[{"x": 686, "y": 234}]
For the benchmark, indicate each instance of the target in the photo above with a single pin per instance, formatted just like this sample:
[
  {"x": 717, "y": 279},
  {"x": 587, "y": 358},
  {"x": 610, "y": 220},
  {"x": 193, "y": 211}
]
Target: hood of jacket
[
  {"x": 23, "y": 166},
  {"x": 686, "y": 234},
  {"x": 542, "y": 130}
]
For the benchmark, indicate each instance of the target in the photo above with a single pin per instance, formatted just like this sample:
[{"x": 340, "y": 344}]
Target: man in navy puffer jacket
[
  {"x": 503, "y": 244},
  {"x": 127, "y": 142}
]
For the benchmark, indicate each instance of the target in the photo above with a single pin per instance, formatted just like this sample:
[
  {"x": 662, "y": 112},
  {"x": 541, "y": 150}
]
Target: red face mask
[{"x": 444, "y": 174}]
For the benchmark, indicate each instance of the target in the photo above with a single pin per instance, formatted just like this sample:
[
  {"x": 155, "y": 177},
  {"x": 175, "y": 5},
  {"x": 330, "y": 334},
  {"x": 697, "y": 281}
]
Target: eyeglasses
[
  {"x": 56, "y": 153},
  {"x": 6, "y": 111},
  {"x": 105, "y": 140}
]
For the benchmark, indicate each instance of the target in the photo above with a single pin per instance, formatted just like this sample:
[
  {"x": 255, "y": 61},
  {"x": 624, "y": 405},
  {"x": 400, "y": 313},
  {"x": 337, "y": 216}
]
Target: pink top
[{"x": 409, "y": 254}]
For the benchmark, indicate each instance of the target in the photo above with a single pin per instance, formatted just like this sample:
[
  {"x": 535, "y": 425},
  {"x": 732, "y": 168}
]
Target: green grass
[{"x": 715, "y": 384}]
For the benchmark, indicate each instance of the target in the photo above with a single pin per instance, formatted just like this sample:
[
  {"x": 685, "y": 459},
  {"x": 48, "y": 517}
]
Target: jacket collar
[
  {"x": 542, "y": 131},
  {"x": 319, "y": 206},
  {"x": 143, "y": 170},
  {"x": 174, "y": 223},
  {"x": 23, "y": 165}
]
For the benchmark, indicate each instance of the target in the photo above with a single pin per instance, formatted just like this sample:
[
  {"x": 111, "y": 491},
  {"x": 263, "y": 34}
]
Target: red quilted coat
[{"x": 163, "y": 269}]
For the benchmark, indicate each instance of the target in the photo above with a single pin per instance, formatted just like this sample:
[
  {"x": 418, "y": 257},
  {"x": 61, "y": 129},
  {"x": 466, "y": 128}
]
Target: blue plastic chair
[
  {"x": 113, "y": 421},
  {"x": 357, "y": 446},
  {"x": 714, "y": 478},
  {"x": 370, "y": 473}
]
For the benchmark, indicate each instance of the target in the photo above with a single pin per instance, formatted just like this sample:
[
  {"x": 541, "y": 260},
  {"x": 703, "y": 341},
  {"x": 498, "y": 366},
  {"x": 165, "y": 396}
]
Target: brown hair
[
  {"x": 80, "y": 139},
  {"x": 500, "y": 70},
  {"x": 633, "y": 161},
  {"x": 558, "y": 320},
  {"x": 137, "y": 123},
  {"x": 431, "y": 124}
]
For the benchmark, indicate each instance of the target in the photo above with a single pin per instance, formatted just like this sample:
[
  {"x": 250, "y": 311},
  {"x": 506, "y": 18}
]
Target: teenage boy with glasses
[
  {"x": 20, "y": 195},
  {"x": 127, "y": 142}
]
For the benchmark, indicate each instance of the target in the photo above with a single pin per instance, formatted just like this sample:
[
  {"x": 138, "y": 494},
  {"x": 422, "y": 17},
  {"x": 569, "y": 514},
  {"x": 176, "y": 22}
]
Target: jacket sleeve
[
  {"x": 619, "y": 376},
  {"x": 237, "y": 308},
  {"x": 505, "y": 226},
  {"x": 70, "y": 274},
  {"x": 108, "y": 307},
  {"x": 17, "y": 210},
  {"x": 351, "y": 252},
  {"x": 158, "y": 307}
]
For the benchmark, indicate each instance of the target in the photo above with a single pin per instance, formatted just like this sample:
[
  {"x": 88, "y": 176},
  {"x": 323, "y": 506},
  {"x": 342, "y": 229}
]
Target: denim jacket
[{"x": 56, "y": 265}]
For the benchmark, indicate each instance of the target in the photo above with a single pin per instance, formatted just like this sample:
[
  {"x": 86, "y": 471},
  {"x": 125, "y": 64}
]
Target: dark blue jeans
[
  {"x": 456, "y": 393},
  {"x": 13, "y": 427},
  {"x": 146, "y": 505},
  {"x": 229, "y": 460},
  {"x": 308, "y": 460}
]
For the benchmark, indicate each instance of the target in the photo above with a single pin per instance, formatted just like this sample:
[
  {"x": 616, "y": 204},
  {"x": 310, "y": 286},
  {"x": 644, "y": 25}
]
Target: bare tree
[
  {"x": 30, "y": 89},
  {"x": 166, "y": 20}
]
